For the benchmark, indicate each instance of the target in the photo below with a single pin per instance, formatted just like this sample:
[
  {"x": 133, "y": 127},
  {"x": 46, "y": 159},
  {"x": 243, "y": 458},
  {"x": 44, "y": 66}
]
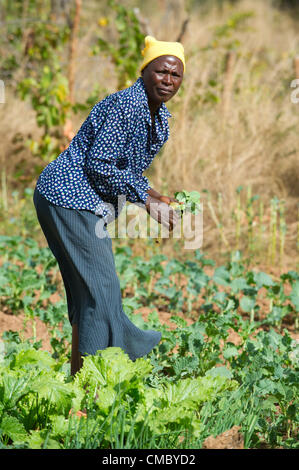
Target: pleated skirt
[{"x": 82, "y": 246}]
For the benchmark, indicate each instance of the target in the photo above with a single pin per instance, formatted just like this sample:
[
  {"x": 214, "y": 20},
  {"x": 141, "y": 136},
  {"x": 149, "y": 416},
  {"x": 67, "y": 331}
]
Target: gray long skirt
[{"x": 91, "y": 283}]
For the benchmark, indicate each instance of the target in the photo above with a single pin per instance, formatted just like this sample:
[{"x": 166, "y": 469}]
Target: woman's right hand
[{"x": 161, "y": 212}]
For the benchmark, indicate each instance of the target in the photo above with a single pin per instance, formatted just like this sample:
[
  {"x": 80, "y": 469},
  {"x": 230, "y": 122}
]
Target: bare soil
[
  {"x": 17, "y": 323},
  {"x": 231, "y": 439}
]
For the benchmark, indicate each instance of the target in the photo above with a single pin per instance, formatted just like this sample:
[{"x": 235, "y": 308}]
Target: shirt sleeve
[{"x": 103, "y": 157}]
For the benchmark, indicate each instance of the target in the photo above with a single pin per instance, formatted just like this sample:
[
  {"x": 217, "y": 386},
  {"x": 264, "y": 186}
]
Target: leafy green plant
[
  {"x": 49, "y": 99},
  {"x": 36, "y": 399},
  {"x": 203, "y": 381},
  {"x": 188, "y": 201},
  {"x": 125, "y": 54}
]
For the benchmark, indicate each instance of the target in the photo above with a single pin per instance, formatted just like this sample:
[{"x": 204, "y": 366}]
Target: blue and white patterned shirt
[{"x": 108, "y": 155}]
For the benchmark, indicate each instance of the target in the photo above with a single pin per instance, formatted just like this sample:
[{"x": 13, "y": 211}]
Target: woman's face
[{"x": 162, "y": 78}]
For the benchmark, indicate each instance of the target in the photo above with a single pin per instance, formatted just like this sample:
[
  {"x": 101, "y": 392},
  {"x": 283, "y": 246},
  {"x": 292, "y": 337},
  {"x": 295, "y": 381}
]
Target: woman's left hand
[{"x": 167, "y": 199}]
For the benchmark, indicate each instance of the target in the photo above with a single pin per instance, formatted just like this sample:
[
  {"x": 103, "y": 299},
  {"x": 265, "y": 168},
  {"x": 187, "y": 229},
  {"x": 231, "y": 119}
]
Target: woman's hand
[
  {"x": 167, "y": 199},
  {"x": 161, "y": 211}
]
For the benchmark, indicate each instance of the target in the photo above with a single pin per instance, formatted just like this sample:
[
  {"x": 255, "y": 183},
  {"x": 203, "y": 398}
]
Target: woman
[{"x": 104, "y": 162}]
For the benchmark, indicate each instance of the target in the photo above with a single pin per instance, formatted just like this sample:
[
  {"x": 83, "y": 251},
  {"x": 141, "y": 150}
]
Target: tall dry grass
[{"x": 248, "y": 138}]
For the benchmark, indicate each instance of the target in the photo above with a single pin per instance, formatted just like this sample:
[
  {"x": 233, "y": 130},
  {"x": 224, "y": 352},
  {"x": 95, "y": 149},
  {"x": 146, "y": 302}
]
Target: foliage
[
  {"x": 37, "y": 398},
  {"x": 187, "y": 201},
  {"x": 125, "y": 53},
  {"x": 195, "y": 383},
  {"x": 42, "y": 80},
  {"x": 49, "y": 99}
]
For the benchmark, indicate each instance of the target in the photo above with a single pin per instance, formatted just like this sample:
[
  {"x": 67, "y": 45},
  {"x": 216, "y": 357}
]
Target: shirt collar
[{"x": 142, "y": 95}]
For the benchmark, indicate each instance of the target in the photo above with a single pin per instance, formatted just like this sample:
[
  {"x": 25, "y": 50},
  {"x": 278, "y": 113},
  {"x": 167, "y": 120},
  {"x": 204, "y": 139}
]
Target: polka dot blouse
[{"x": 102, "y": 167}]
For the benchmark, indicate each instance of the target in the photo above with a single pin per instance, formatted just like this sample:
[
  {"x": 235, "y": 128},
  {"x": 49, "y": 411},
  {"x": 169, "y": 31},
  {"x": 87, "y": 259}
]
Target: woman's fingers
[
  {"x": 168, "y": 199},
  {"x": 165, "y": 199},
  {"x": 162, "y": 212}
]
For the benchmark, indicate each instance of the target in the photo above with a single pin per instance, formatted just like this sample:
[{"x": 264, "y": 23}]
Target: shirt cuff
[
  {"x": 143, "y": 187},
  {"x": 143, "y": 195}
]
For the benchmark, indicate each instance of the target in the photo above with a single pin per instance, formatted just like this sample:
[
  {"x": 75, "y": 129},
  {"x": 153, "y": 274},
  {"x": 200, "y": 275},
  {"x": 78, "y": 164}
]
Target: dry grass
[
  {"x": 252, "y": 139},
  {"x": 255, "y": 141}
]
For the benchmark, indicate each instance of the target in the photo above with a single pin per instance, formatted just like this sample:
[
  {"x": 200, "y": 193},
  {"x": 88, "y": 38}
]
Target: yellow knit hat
[{"x": 154, "y": 49}]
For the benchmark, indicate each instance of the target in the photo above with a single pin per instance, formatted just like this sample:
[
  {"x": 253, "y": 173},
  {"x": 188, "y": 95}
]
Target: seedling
[{"x": 186, "y": 202}]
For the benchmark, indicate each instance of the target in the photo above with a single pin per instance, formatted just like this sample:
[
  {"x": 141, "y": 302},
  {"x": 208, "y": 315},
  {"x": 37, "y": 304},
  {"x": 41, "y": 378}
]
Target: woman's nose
[{"x": 167, "y": 78}]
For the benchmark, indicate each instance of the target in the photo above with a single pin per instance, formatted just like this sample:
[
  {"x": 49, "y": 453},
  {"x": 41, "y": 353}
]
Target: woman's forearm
[{"x": 152, "y": 192}]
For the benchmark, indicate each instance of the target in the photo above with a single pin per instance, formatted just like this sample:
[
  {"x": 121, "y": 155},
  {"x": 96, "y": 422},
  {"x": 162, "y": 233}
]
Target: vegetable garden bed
[{"x": 228, "y": 358}]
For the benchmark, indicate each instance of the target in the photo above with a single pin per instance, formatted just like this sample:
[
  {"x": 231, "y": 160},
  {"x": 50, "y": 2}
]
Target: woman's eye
[{"x": 164, "y": 72}]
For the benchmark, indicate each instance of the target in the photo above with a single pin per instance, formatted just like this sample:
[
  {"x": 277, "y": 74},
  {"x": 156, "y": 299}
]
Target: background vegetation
[{"x": 233, "y": 130}]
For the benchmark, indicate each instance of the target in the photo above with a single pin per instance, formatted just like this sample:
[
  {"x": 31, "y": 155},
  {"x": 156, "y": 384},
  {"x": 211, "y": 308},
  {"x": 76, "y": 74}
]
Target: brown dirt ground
[
  {"x": 16, "y": 323},
  {"x": 231, "y": 439}
]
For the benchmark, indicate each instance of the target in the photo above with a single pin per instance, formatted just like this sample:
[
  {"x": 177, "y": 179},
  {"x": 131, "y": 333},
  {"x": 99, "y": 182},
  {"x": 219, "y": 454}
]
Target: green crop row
[
  {"x": 27, "y": 269},
  {"x": 197, "y": 382}
]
